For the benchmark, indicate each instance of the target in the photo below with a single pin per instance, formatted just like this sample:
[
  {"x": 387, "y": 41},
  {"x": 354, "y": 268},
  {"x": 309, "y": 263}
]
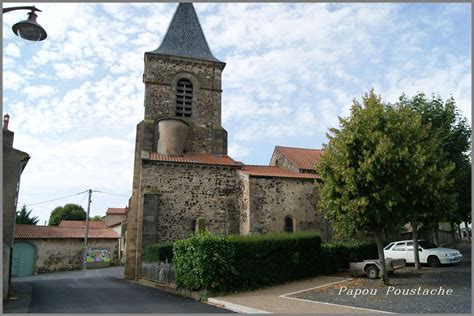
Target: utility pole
[{"x": 86, "y": 232}]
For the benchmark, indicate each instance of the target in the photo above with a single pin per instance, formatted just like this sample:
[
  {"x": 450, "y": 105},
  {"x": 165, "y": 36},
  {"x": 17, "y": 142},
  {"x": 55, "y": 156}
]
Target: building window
[
  {"x": 184, "y": 98},
  {"x": 288, "y": 224},
  {"x": 193, "y": 226}
]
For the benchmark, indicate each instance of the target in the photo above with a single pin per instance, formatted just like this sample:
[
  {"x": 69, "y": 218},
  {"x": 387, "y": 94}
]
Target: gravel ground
[{"x": 366, "y": 293}]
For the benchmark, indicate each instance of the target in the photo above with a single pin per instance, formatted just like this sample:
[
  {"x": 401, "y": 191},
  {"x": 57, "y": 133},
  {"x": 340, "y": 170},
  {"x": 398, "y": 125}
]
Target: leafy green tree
[
  {"x": 454, "y": 133},
  {"x": 371, "y": 165},
  {"x": 66, "y": 212},
  {"x": 96, "y": 218},
  {"x": 23, "y": 217}
]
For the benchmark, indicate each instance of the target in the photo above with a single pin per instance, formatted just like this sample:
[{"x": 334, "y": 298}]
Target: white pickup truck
[{"x": 372, "y": 267}]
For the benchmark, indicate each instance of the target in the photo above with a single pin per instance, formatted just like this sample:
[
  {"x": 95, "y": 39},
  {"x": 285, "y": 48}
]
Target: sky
[{"x": 75, "y": 98}]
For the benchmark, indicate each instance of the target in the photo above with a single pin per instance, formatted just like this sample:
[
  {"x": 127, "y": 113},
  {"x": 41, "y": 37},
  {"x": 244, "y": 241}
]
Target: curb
[
  {"x": 169, "y": 288},
  {"x": 236, "y": 307}
]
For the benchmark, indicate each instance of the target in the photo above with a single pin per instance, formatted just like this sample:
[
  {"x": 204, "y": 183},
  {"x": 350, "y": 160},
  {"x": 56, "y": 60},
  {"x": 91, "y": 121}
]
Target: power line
[
  {"x": 64, "y": 197},
  {"x": 82, "y": 199},
  {"x": 111, "y": 193}
]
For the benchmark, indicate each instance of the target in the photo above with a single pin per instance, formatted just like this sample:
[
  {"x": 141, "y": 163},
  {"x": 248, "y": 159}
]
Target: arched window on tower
[
  {"x": 288, "y": 224},
  {"x": 184, "y": 98}
]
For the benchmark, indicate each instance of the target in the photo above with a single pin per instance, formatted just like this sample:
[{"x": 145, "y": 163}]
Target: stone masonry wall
[
  {"x": 272, "y": 199},
  {"x": 176, "y": 194},
  {"x": 65, "y": 254},
  {"x": 244, "y": 203},
  {"x": 279, "y": 160},
  {"x": 133, "y": 236},
  {"x": 161, "y": 75}
]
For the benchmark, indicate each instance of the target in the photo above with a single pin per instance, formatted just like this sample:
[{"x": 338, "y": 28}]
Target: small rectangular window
[{"x": 184, "y": 98}]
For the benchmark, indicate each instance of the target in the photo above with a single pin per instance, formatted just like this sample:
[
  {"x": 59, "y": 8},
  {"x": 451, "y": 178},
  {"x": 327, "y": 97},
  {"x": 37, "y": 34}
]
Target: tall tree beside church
[
  {"x": 454, "y": 133},
  {"x": 371, "y": 165},
  {"x": 23, "y": 217},
  {"x": 66, "y": 212}
]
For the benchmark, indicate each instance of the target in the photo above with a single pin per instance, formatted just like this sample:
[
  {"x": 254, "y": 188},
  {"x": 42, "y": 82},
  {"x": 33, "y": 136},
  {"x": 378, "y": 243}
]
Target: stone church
[{"x": 181, "y": 169}]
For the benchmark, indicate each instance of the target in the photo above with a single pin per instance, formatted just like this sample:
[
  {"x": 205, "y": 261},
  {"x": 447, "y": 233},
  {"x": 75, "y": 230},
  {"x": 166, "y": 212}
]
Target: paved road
[{"x": 97, "y": 291}]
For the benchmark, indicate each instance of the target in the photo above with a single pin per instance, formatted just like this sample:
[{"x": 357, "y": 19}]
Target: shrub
[
  {"x": 203, "y": 262},
  {"x": 158, "y": 252},
  {"x": 274, "y": 258}
]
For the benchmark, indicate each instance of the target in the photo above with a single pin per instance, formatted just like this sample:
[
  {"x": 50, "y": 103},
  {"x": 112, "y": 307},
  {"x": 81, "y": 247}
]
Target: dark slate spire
[{"x": 185, "y": 36}]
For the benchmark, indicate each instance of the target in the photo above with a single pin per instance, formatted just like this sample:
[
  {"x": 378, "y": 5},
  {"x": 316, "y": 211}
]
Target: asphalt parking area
[{"x": 431, "y": 290}]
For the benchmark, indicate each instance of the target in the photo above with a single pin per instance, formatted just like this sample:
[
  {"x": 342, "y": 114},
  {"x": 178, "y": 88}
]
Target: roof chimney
[
  {"x": 7, "y": 134},
  {"x": 6, "y": 120}
]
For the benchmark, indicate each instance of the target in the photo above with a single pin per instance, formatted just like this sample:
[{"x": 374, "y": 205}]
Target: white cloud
[
  {"x": 12, "y": 50},
  {"x": 39, "y": 91},
  {"x": 12, "y": 80},
  {"x": 74, "y": 70}
]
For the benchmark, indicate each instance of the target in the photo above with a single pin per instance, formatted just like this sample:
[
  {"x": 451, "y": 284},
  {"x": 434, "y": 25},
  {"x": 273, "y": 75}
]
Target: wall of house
[
  {"x": 272, "y": 199},
  {"x": 176, "y": 194},
  {"x": 113, "y": 219},
  {"x": 279, "y": 160},
  {"x": 11, "y": 185},
  {"x": 120, "y": 230},
  {"x": 65, "y": 254}
]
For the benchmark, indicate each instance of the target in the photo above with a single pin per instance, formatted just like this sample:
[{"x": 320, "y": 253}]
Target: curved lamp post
[{"x": 28, "y": 29}]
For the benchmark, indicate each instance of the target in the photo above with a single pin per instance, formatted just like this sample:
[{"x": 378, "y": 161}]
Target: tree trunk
[
  {"x": 379, "y": 241},
  {"x": 435, "y": 240},
  {"x": 414, "y": 227},
  {"x": 453, "y": 234}
]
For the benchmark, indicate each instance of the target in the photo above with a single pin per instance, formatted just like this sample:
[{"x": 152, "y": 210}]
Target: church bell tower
[
  {"x": 182, "y": 116},
  {"x": 183, "y": 91}
]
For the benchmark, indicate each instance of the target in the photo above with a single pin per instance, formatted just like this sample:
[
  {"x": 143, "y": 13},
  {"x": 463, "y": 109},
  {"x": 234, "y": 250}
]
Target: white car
[{"x": 429, "y": 253}]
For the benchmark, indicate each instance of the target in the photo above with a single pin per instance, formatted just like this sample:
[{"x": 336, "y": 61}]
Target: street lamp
[{"x": 28, "y": 29}]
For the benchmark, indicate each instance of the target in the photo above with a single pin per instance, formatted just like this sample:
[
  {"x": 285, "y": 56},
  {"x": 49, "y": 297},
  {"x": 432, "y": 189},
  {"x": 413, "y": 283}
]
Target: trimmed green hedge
[
  {"x": 217, "y": 263},
  {"x": 274, "y": 258},
  {"x": 158, "y": 252}
]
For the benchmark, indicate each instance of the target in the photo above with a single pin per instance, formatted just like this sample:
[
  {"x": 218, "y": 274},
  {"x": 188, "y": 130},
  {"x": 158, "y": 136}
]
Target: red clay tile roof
[
  {"x": 198, "y": 158},
  {"x": 116, "y": 211},
  {"x": 302, "y": 158},
  {"x": 82, "y": 224},
  {"x": 271, "y": 171},
  {"x": 40, "y": 232}
]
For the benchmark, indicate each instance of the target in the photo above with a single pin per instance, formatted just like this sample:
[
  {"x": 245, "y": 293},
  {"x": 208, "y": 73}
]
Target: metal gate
[{"x": 162, "y": 272}]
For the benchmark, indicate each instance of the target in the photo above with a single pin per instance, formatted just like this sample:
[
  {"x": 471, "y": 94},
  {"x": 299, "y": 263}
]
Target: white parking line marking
[
  {"x": 331, "y": 304},
  {"x": 316, "y": 287},
  {"x": 236, "y": 307}
]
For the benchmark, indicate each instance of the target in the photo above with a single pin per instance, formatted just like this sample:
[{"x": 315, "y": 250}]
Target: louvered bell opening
[{"x": 184, "y": 98}]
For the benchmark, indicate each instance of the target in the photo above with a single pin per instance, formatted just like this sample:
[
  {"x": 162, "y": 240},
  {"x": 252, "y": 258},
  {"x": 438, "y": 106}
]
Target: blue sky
[{"x": 292, "y": 69}]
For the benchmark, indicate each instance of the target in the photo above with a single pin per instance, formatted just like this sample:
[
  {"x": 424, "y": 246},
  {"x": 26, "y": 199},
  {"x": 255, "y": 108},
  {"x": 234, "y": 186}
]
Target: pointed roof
[
  {"x": 185, "y": 36},
  {"x": 301, "y": 158}
]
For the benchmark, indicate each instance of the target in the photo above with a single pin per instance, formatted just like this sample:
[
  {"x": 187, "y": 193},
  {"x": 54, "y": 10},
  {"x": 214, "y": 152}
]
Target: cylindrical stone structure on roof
[{"x": 172, "y": 136}]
